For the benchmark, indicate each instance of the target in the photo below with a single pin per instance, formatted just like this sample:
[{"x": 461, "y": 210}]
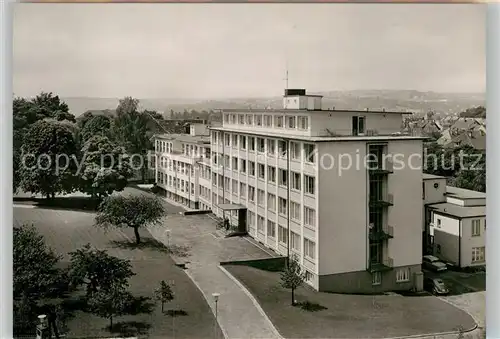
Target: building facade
[
  {"x": 456, "y": 223},
  {"x": 180, "y": 166},
  {"x": 300, "y": 174}
]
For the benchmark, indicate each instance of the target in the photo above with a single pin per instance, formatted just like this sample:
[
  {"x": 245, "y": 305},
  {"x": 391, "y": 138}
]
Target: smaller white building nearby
[{"x": 457, "y": 226}]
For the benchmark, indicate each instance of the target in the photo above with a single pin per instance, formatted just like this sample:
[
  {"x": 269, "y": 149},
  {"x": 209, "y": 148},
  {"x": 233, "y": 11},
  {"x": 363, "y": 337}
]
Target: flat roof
[
  {"x": 320, "y": 139},
  {"x": 185, "y": 137},
  {"x": 461, "y": 193},
  {"x": 290, "y": 110},
  {"x": 458, "y": 211},
  {"x": 231, "y": 207},
  {"x": 427, "y": 176}
]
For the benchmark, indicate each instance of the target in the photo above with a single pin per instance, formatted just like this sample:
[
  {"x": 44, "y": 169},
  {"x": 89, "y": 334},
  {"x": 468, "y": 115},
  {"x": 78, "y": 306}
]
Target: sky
[{"x": 243, "y": 50}]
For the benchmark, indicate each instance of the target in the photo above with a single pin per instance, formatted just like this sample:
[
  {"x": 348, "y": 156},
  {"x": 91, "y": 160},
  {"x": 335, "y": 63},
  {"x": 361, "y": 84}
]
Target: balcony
[
  {"x": 384, "y": 166},
  {"x": 381, "y": 234},
  {"x": 382, "y": 200},
  {"x": 386, "y": 264}
]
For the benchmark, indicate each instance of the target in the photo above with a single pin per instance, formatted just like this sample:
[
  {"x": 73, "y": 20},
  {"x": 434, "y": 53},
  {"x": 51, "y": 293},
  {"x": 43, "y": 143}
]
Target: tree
[
  {"x": 164, "y": 294},
  {"x": 292, "y": 277},
  {"x": 47, "y": 159},
  {"x": 110, "y": 302},
  {"x": 98, "y": 270},
  {"x": 105, "y": 167},
  {"x": 97, "y": 125},
  {"x": 131, "y": 211},
  {"x": 130, "y": 129},
  {"x": 36, "y": 274}
]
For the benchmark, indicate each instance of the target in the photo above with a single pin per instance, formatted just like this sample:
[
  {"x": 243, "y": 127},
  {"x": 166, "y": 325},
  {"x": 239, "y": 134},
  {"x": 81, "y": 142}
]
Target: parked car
[
  {"x": 436, "y": 286},
  {"x": 433, "y": 263}
]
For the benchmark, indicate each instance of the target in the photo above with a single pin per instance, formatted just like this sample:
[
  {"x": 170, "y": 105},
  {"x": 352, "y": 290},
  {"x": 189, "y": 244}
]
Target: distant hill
[{"x": 404, "y": 100}]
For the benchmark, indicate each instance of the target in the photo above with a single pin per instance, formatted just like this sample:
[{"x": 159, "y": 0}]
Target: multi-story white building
[
  {"x": 300, "y": 174},
  {"x": 455, "y": 222},
  {"x": 182, "y": 166}
]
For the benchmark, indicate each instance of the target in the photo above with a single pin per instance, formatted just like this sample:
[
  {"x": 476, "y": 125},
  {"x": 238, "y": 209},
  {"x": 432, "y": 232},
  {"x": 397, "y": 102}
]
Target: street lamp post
[
  {"x": 216, "y": 299},
  {"x": 168, "y": 239}
]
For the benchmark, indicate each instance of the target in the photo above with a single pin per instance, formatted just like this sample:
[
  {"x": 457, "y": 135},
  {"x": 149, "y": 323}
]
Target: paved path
[{"x": 237, "y": 314}]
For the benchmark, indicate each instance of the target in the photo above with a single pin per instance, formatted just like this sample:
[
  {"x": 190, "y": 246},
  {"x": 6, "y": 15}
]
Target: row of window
[
  {"x": 272, "y": 203},
  {"x": 269, "y": 227},
  {"x": 402, "y": 275},
  {"x": 475, "y": 227},
  {"x": 171, "y": 181},
  {"x": 186, "y": 149},
  {"x": 300, "y": 122},
  {"x": 298, "y": 150},
  {"x": 177, "y": 166},
  {"x": 298, "y": 181}
]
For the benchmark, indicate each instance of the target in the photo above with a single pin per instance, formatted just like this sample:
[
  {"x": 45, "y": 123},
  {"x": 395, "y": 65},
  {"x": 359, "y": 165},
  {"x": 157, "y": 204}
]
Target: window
[
  {"x": 271, "y": 202},
  {"x": 251, "y": 193},
  {"x": 278, "y": 121},
  {"x": 226, "y": 184},
  {"x": 243, "y": 190},
  {"x": 261, "y": 171},
  {"x": 295, "y": 241},
  {"x": 478, "y": 254},
  {"x": 226, "y": 118},
  {"x": 260, "y": 197},
  {"x": 282, "y": 234},
  {"x": 282, "y": 206},
  {"x": 233, "y": 118},
  {"x": 310, "y": 153},
  {"x": 271, "y": 229},
  {"x": 227, "y": 140},
  {"x": 251, "y": 219},
  {"x": 226, "y": 161},
  {"x": 258, "y": 120},
  {"x": 243, "y": 142},
  {"x": 295, "y": 210},
  {"x": 260, "y": 223},
  {"x": 241, "y": 119},
  {"x": 268, "y": 121},
  {"x": 261, "y": 145},
  {"x": 376, "y": 278},
  {"x": 304, "y": 123},
  {"x": 403, "y": 275},
  {"x": 251, "y": 143},
  {"x": 309, "y": 248},
  {"x": 358, "y": 125},
  {"x": 309, "y": 217},
  {"x": 295, "y": 150},
  {"x": 476, "y": 227},
  {"x": 271, "y": 146},
  {"x": 243, "y": 167},
  {"x": 308, "y": 277},
  {"x": 283, "y": 177},
  {"x": 291, "y": 122},
  {"x": 438, "y": 225},
  {"x": 251, "y": 168},
  {"x": 234, "y": 141},
  {"x": 234, "y": 164},
  {"x": 271, "y": 174},
  {"x": 249, "y": 119},
  {"x": 282, "y": 148},
  {"x": 309, "y": 184},
  {"x": 235, "y": 186},
  {"x": 296, "y": 181}
]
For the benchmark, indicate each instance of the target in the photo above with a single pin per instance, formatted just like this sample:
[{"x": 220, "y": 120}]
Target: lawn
[
  {"x": 348, "y": 316},
  {"x": 65, "y": 231}
]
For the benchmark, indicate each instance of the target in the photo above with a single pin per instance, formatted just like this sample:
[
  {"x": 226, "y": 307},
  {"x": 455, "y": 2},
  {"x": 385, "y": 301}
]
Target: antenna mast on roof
[{"x": 286, "y": 83}]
